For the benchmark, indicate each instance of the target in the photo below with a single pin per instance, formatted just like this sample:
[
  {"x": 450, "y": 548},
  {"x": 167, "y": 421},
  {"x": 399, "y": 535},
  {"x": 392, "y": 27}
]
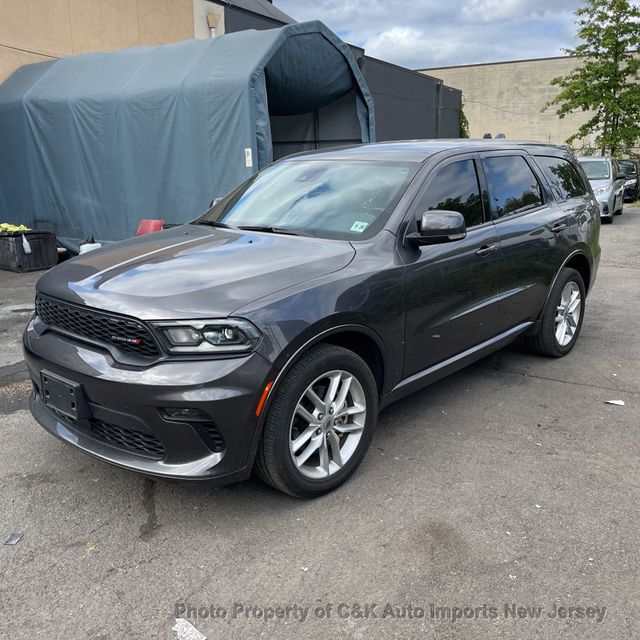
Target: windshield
[
  {"x": 323, "y": 198},
  {"x": 628, "y": 168},
  {"x": 596, "y": 169}
]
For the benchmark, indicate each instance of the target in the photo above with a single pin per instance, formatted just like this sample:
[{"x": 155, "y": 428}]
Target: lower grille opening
[
  {"x": 123, "y": 438},
  {"x": 63, "y": 417},
  {"x": 145, "y": 444}
]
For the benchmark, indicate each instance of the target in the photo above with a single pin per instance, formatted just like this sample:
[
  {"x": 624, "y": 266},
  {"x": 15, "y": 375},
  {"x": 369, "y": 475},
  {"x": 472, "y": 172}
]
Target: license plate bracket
[{"x": 64, "y": 396}]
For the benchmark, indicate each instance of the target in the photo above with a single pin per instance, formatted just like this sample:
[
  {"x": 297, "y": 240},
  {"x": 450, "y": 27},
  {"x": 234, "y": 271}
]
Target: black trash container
[{"x": 44, "y": 252}]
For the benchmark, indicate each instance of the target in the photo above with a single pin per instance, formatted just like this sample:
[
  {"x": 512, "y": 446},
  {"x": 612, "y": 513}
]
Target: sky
[{"x": 437, "y": 33}]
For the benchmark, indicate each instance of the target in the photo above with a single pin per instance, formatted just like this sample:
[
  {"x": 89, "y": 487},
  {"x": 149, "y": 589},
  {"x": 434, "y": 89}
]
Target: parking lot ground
[
  {"x": 510, "y": 483},
  {"x": 16, "y": 305}
]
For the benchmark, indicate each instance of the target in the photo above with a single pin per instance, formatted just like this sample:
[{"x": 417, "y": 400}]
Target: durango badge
[{"x": 135, "y": 341}]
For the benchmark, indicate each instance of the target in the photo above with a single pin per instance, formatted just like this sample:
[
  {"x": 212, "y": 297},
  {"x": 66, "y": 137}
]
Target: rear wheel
[
  {"x": 562, "y": 317},
  {"x": 320, "y": 423}
]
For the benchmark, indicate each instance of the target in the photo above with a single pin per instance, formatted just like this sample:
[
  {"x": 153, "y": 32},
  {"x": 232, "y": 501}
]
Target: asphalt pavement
[{"x": 501, "y": 502}]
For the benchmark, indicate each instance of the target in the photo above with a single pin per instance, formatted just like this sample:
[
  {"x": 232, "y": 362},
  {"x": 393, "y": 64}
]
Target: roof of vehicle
[
  {"x": 421, "y": 150},
  {"x": 605, "y": 158}
]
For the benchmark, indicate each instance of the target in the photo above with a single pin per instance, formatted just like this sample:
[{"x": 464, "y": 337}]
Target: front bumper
[
  {"x": 606, "y": 203},
  {"x": 125, "y": 422}
]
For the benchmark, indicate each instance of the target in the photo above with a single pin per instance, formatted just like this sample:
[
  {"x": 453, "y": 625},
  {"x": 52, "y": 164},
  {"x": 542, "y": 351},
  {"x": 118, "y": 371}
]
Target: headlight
[
  {"x": 600, "y": 190},
  {"x": 233, "y": 335},
  {"x": 629, "y": 183}
]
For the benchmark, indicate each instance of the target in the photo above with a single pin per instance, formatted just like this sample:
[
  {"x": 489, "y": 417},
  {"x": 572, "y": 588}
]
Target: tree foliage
[
  {"x": 607, "y": 81},
  {"x": 464, "y": 123}
]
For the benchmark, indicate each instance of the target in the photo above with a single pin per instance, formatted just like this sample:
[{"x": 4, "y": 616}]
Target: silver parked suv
[{"x": 607, "y": 181}]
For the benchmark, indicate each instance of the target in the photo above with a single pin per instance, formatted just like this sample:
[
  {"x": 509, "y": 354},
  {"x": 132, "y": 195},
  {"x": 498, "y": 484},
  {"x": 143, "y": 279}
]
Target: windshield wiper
[
  {"x": 214, "y": 223},
  {"x": 270, "y": 229}
]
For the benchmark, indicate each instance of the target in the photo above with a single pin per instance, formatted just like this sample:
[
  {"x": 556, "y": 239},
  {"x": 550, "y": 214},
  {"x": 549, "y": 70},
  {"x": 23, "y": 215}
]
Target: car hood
[
  {"x": 192, "y": 271},
  {"x": 596, "y": 184}
]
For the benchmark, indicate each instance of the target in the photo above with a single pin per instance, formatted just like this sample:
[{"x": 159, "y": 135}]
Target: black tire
[
  {"x": 274, "y": 463},
  {"x": 606, "y": 220},
  {"x": 544, "y": 341}
]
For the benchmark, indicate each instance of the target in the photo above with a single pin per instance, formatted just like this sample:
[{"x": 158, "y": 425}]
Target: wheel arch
[
  {"x": 364, "y": 346},
  {"x": 358, "y": 338},
  {"x": 580, "y": 262}
]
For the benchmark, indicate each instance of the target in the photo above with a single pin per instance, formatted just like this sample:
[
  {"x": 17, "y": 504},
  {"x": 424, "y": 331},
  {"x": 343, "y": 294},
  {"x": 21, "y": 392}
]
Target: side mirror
[
  {"x": 622, "y": 176},
  {"x": 437, "y": 227}
]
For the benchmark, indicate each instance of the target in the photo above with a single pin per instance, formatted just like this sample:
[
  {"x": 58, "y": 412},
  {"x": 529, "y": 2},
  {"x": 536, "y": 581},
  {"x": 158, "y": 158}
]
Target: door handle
[
  {"x": 557, "y": 228},
  {"x": 486, "y": 249}
]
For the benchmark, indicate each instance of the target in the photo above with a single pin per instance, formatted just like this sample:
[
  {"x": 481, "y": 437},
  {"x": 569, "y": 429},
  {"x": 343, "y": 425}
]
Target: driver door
[{"x": 451, "y": 288}]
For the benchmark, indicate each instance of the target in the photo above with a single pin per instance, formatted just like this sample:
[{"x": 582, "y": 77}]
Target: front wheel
[
  {"x": 561, "y": 320},
  {"x": 320, "y": 423}
]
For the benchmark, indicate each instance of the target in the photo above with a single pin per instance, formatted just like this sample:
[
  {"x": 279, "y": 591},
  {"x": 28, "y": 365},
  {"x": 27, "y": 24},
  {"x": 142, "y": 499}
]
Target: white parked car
[{"x": 608, "y": 182}]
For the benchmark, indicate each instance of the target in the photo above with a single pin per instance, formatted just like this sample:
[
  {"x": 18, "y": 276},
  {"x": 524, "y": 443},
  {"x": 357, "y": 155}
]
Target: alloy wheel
[
  {"x": 568, "y": 313},
  {"x": 327, "y": 424}
]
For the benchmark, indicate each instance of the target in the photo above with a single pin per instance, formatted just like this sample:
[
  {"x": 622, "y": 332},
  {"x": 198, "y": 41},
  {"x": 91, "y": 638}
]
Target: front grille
[
  {"x": 145, "y": 444},
  {"x": 129, "y": 335}
]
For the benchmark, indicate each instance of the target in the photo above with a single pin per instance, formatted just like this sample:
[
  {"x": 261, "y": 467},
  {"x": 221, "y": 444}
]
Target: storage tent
[{"x": 90, "y": 144}]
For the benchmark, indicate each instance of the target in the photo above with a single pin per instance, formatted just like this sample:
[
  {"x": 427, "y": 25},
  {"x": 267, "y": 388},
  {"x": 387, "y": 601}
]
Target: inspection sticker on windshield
[{"x": 359, "y": 227}]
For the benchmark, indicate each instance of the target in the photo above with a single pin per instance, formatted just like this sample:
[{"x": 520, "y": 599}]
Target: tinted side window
[
  {"x": 513, "y": 187},
  {"x": 628, "y": 168},
  {"x": 455, "y": 188},
  {"x": 564, "y": 179}
]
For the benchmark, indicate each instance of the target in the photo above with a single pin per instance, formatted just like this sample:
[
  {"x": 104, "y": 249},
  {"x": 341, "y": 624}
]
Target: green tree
[
  {"x": 606, "y": 83},
  {"x": 464, "y": 123}
]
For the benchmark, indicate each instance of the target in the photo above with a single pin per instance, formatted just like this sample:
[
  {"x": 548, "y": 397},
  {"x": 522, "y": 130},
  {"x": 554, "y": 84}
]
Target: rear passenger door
[{"x": 532, "y": 230}]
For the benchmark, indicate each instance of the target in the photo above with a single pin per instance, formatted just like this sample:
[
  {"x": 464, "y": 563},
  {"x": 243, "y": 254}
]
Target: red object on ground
[{"x": 149, "y": 226}]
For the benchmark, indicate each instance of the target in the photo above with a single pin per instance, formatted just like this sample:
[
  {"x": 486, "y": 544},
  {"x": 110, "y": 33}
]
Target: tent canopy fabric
[{"x": 95, "y": 142}]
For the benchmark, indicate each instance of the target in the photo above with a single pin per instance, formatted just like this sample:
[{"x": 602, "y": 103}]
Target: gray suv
[
  {"x": 269, "y": 332},
  {"x": 607, "y": 181}
]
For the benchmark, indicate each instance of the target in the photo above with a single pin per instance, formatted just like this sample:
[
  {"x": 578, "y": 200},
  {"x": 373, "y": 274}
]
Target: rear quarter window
[{"x": 565, "y": 181}]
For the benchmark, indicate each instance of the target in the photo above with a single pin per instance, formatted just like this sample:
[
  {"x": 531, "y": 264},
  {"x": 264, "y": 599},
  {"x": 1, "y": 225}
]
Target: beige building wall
[
  {"x": 508, "y": 97},
  {"x": 38, "y": 30}
]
